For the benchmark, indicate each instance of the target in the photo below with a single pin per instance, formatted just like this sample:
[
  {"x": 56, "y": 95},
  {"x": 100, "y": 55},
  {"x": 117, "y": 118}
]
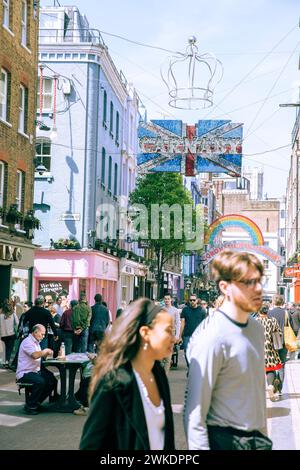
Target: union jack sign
[{"x": 208, "y": 146}]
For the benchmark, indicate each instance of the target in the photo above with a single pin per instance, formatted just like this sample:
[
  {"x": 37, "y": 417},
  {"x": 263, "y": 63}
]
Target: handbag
[
  {"x": 290, "y": 341},
  {"x": 277, "y": 340}
]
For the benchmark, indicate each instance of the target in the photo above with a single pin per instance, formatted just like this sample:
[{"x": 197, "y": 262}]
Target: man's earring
[{"x": 145, "y": 347}]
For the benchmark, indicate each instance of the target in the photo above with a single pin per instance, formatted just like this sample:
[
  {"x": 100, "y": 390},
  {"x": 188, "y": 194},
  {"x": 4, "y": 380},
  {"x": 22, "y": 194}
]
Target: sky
[{"x": 258, "y": 43}]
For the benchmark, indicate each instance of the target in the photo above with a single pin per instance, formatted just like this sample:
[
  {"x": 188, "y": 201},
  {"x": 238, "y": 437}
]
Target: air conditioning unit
[{"x": 66, "y": 87}]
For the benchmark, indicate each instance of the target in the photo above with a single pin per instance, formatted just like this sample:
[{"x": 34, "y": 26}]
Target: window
[
  {"x": 116, "y": 180},
  {"x": 111, "y": 118},
  {"x": 104, "y": 106},
  {"x": 47, "y": 95},
  {"x": 43, "y": 153},
  {"x": 6, "y": 13},
  {"x": 109, "y": 173},
  {"x": 282, "y": 230},
  {"x": 2, "y": 176},
  {"x": 24, "y": 23},
  {"x": 4, "y": 92},
  {"x": 19, "y": 190},
  {"x": 266, "y": 264},
  {"x": 117, "y": 126},
  {"x": 282, "y": 214},
  {"x": 103, "y": 166},
  {"x": 23, "y": 109}
]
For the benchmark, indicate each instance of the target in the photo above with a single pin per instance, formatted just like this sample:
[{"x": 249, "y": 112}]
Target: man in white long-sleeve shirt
[{"x": 225, "y": 401}]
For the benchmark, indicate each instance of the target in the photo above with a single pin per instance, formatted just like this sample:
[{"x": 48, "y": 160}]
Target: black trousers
[
  {"x": 44, "y": 383},
  {"x": 228, "y": 438},
  {"x": 9, "y": 342}
]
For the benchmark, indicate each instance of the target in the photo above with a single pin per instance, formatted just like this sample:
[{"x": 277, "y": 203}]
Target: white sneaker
[{"x": 270, "y": 389}]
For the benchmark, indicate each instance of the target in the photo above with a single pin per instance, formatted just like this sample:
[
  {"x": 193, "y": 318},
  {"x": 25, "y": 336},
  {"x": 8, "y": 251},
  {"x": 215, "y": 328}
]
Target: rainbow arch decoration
[{"x": 235, "y": 220}]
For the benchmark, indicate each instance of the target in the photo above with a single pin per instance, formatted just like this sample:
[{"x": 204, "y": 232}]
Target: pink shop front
[{"x": 72, "y": 271}]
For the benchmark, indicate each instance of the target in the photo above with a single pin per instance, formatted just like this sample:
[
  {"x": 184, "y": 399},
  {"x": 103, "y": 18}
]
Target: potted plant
[
  {"x": 67, "y": 244},
  {"x": 13, "y": 216},
  {"x": 31, "y": 222}
]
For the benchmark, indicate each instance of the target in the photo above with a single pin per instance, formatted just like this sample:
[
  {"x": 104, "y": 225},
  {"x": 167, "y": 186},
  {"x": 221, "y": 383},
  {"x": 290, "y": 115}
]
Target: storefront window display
[{"x": 19, "y": 284}]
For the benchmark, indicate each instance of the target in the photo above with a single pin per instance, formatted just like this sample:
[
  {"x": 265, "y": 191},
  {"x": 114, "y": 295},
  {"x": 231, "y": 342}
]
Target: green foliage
[{"x": 163, "y": 188}]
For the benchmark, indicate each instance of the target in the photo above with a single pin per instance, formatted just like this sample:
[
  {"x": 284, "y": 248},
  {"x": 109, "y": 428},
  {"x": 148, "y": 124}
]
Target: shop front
[
  {"x": 132, "y": 280},
  {"x": 16, "y": 269},
  {"x": 70, "y": 272}
]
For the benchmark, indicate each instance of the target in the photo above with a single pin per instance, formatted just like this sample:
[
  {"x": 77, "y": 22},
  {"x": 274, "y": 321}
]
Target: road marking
[
  {"x": 177, "y": 408},
  {"x": 12, "y": 421}
]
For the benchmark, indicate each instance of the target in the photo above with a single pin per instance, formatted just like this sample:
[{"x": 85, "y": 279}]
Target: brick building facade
[{"x": 18, "y": 63}]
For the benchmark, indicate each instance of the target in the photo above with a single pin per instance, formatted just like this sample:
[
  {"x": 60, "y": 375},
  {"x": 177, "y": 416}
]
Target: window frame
[
  {"x": 111, "y": 118},
  {"x": 116, "y": 179},
  {"x": 39, "y": 158},
  {"x": 19, "y": 189},
  {"x": 24, "y": 23},
  {"x": 103, "y": 166},
  {"x": 117, "y": 126},
  {"x": 6, "y": 14},
  {"x": 104, "y": 108},
  {"x": 109, "y": 173},
  {"x": 23, "y": 109},
  {"x": 2, "y": 179},
  {"x": 46, "y": 109},
  {"x": 4, "y": 115}
]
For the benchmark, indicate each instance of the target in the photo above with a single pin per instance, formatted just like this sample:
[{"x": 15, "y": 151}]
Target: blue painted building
[{"x": 84, "y": 103}]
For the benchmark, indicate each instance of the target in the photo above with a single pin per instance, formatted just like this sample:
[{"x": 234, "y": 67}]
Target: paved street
[{"x": 62, "y": 431}]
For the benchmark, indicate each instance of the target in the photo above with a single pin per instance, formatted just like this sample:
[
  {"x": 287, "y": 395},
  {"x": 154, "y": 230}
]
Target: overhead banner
[
  {"x": 210, "y": 146},
  {"x": 262, "y": 250}
]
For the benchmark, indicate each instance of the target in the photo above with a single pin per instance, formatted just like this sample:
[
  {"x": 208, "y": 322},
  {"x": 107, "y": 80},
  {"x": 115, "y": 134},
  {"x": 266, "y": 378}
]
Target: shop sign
[
  {"x": 10, "y": 253},
  {"x": 291, "y": 272},
  {"x": 53, "y": 288},
  {"x": 262, "y": 250},
  {"x": 67, "y": 216}
]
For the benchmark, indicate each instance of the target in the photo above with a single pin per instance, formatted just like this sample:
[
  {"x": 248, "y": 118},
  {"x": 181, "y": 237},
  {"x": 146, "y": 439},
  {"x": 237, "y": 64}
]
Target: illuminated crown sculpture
[{"x": 203, "y": 73}]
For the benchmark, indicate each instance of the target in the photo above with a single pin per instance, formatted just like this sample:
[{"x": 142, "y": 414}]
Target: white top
[
  {"x": 26, "y": 363},
  {"x": 7, "y": 325},
  {"x": 155, "y": 417}
]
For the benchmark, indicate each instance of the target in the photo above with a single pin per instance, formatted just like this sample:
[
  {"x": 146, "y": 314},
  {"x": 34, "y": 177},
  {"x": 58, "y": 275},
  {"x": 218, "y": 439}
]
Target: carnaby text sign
[{"x": 262, "y": 250}]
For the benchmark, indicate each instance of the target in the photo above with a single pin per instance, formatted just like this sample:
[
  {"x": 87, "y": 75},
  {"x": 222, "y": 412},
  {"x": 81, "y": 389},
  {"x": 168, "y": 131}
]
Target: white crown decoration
[{"x": 204, "y": 72}]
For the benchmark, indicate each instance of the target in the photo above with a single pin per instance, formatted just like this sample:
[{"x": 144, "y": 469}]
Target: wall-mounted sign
[
  {"x": 291, "y": 272},
  {"x": 262, "y": 250},
  {"x": 213, "y": 146},
  {"x": 10, "y": 253},
  {"x": 53, "y": 288},
  {"x": 67, "y": 216}
]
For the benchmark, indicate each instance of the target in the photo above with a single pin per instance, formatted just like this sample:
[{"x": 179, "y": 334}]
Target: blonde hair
[{"x": 233, "y": 266}]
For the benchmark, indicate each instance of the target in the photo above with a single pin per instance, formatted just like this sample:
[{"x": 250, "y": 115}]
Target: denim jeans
[
  {"x": 185, "y": 341},
  {"x": 282, "y": 354},
  {"x": 83, "y": 341},
  {"x": 44, "y": 383}
]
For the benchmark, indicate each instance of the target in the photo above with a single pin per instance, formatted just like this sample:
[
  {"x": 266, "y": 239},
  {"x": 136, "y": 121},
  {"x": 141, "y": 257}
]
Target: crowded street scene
[{"x": 149, "y": 229}]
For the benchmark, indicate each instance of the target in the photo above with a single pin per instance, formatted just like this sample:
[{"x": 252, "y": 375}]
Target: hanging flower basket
[
  {"x": 13, "y": 216},
  {"x": 67, "y": 244},
  {"x": 31, "y": 222}
]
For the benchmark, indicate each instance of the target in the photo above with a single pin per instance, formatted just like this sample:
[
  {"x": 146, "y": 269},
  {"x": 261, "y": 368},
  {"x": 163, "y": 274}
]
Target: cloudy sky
[{"x": 258, "y": 43}]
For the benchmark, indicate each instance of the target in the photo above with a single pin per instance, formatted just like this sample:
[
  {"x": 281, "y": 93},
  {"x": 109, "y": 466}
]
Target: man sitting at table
[{"x": 29, "y": 370}]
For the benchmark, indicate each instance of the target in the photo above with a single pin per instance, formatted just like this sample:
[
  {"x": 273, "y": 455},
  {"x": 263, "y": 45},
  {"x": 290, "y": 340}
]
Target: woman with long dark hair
[
  {"x": 130, "y": 405},
  {"x": 8, "y": 328}
]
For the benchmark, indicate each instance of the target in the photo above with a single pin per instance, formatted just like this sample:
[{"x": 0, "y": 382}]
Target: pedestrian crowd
[{"x": 235, "y": 350}]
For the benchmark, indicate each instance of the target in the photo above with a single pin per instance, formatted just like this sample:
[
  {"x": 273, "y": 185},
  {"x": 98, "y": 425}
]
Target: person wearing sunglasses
[
  {"x": 225, "y": 405},
  {"x": 191, "y": 316}
]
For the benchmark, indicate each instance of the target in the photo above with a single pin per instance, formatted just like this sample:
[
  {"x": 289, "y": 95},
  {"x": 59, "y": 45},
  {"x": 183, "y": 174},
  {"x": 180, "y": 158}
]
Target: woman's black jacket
[{"x": 116, "y": 419}]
